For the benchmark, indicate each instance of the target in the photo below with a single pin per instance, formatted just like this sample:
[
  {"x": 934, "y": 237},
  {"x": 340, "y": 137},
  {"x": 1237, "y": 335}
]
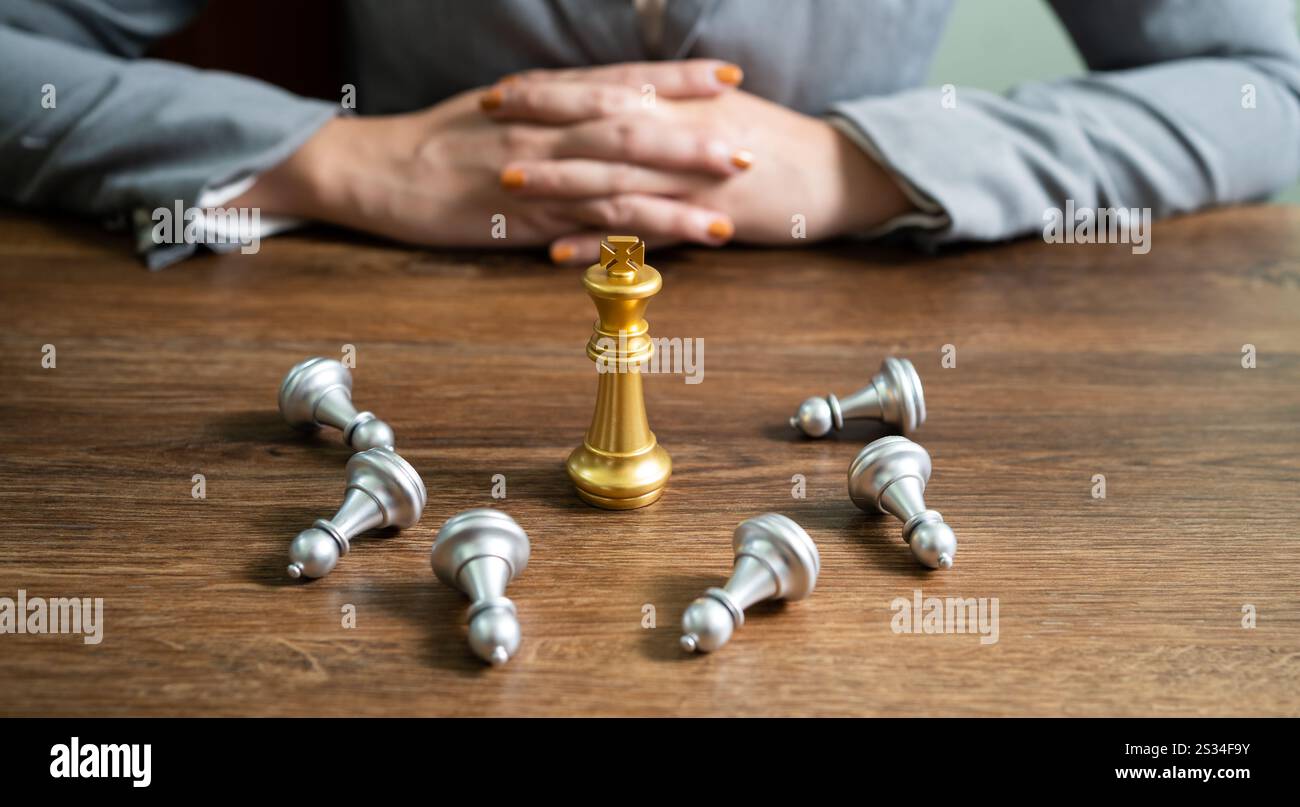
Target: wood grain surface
[{"x": 1071, "y": 361}]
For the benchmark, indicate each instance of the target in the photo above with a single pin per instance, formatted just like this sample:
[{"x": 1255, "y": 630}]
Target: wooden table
[{"x": 1071, "y": 361}]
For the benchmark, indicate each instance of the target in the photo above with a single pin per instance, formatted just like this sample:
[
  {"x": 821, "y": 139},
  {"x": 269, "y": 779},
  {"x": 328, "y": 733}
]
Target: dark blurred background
[{"x": 296, "y": 44}]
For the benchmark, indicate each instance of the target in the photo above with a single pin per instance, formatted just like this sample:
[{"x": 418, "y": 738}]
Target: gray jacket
[{"x": 1162, "y": 121}]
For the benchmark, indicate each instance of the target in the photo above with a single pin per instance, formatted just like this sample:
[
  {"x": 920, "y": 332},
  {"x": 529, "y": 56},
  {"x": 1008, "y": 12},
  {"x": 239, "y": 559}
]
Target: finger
[
  {"x": 691, "y": 78},
  {"x": 647, "y": 141},
  {"x": 581, "y": 179},
  {"x": 653, "y": 217},
  {"x": 584, "y": 248},
  {"x": 558, "y": 102}
]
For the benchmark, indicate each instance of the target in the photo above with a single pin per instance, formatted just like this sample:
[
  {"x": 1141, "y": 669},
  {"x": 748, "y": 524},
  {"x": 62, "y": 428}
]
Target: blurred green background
[{"x": 994, "y": 44}]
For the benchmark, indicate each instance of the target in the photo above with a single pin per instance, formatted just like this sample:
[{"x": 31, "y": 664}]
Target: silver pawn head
[
  {"x": 383, "y": 490},
  {"x": 706, "y": 625},
  {"x": 494, "y": 633},
  {"x": 889, "y": 475},
  {"x": 815, "y": 417},
  {"x": 479, "y": 552},
  {"x": 933, "y": 542},
  {"x": 312, "y": 554},
  {"x": 318, "y": 391},
  {"x": 775, "y": 559},
  {"x": 894, "y": 396},
  {"x": 368, "y": 431}
]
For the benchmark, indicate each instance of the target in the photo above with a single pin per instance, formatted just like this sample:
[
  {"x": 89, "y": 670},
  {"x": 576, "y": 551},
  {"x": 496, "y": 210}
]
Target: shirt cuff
[
  {"x": 262, "y": 227},
  {"x": 218, "y": 230},
  {"x": 929, "y": 214}
]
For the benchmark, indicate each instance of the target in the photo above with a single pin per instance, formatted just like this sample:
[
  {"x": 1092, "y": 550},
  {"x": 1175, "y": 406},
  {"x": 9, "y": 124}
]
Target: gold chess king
[{"x": 620, "y": 465}]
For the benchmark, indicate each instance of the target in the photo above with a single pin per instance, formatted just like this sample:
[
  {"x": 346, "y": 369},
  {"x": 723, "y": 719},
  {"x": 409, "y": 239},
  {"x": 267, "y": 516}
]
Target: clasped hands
[{"x": 670, "y": 151}]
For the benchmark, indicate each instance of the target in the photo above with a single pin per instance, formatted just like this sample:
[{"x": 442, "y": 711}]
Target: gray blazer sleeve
[
  {"x": 1189, "y": 103},
  {"x": 125, "y": 133}
]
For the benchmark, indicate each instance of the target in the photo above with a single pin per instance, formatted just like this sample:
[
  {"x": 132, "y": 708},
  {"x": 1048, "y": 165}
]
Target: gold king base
[
  {"x": 605, "y": 482},
  {"x": 620, "y": 465}
]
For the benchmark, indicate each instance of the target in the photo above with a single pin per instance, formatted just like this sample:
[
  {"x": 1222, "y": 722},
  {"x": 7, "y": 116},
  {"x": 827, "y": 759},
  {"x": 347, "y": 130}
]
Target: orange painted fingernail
[
  {"x": 730, "y": 74},
  {"x": 561, "y": 253},
  {"x": 720, "y": 229},
  {"x": 509, "y": 80},
  {"x": 490, "y": 100},
  {"x": 743, "y": 158},
  {"x": 512, "y": 179}
]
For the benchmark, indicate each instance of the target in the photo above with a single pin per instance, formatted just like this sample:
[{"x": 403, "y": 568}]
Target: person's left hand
[{"x": 798, "y": 166}]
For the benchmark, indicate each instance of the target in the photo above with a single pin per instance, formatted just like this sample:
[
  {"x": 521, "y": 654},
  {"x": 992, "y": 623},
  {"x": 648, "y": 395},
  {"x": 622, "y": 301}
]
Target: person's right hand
[{"x": 436, "y": 177}]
